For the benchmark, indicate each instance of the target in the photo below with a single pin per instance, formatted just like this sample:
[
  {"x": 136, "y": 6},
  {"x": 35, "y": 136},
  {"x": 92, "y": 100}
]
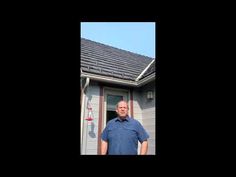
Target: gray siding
[
  {"x": 90, "y": 132},
  {"x": 149, "y": 117},
  {"x": 137, "y": 108},
  {"x": 137, "y": 105},
  {"x": 144, "y": 112}
]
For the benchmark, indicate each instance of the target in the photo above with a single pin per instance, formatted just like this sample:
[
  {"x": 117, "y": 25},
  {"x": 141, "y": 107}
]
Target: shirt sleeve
[
  {"x": 105, "y": 134},
  {"x": 142, "y": 134}
]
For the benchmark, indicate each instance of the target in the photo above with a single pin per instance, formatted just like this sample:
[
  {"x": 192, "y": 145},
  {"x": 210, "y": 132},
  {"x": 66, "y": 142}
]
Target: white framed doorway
[{"x": 111, "y": 97}]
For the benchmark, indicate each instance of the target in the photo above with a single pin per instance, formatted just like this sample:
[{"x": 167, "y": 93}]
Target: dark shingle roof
[{"x": 105, "y": 60}]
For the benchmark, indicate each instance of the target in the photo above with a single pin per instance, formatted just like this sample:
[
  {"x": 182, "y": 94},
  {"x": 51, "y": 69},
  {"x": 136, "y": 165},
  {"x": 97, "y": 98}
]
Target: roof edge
[
  {"x": 109, "y": 79},
  {"x": 146, "y": 80},
  {"x": 119, "y": 81},
  {"x": 142, "y": 73}
]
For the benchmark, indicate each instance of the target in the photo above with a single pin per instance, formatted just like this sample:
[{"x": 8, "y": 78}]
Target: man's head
[{"x": 122, "y": 109}]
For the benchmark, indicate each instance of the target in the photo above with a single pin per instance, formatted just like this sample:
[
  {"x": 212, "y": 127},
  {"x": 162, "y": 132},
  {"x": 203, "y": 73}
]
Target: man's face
[{"x": 122, "y": 109}]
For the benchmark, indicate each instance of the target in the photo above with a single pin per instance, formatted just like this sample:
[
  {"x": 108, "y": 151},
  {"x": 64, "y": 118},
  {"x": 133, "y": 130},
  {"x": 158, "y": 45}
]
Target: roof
[
  {"x": 150, "y": 70},
  {"x": 104, "y": 60}
]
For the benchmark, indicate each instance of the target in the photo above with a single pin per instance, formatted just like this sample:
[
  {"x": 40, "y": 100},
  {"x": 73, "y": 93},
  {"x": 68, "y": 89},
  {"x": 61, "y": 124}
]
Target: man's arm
[
  {"x": 144, "y": 148},
  {"x": 104, "y": 148}
]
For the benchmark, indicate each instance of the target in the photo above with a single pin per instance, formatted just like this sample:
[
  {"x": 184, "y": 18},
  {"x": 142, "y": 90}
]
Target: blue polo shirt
[{"x": 123, "y": 136}]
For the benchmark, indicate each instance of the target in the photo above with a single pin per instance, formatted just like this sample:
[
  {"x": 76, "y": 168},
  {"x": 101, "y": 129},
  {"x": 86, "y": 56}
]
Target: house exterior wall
[
  {"x": 137, "y": 108},
  {"x": 143, "y": 111},
  {"x": 137, "y": 105},
  {"x": 149, "y": 115},
  {"x": 90, "y": 132}
]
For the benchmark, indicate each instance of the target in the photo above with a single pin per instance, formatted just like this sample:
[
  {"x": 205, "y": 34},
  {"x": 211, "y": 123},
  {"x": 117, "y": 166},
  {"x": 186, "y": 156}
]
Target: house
[{"x": 108, "y": 75}]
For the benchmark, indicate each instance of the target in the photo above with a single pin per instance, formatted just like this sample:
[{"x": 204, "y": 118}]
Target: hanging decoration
[{"x": 89, "y": 118}]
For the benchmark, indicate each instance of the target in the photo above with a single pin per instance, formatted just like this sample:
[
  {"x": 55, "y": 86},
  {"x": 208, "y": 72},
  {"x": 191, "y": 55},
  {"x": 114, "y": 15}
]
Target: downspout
[
  {"x": 82, "y": 110},
  {"x": 144, "y": 70}
]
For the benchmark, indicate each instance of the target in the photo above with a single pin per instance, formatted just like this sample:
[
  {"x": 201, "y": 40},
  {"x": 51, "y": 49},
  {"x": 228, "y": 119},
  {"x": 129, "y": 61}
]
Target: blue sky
[{"x": 137, "y": 37}]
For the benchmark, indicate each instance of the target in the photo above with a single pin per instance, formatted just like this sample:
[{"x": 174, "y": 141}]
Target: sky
[{"x": 136, "y": 37}]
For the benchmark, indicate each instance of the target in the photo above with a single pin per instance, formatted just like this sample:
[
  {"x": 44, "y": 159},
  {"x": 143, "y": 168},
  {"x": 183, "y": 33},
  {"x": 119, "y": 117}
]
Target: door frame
[
  {"x": 102, "y": 120},
  {"x": 114, "y": 91}
]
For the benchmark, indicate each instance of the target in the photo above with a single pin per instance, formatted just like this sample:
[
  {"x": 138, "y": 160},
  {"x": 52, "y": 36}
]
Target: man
[{"x": 121, "y": 135}]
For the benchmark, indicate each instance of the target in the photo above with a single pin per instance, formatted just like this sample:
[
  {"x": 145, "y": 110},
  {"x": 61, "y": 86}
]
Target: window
[{"x": 112, "y": 101}]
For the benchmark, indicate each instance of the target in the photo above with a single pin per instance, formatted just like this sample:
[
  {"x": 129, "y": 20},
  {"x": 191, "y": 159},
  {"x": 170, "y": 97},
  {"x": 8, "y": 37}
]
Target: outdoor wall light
[{"x": 150, "y": 95}]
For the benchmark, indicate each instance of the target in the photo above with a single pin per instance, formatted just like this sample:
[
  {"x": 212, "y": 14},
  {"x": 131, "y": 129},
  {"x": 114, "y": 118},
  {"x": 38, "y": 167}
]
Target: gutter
[
  {"x": 119, "y": 81},
  {"x": 147, "y": 79},
  {"x": 109, "y": 79}
]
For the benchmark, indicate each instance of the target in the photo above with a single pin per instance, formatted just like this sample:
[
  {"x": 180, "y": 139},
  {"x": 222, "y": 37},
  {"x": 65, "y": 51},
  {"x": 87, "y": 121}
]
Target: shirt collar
[{"x": 121, "y": 120}]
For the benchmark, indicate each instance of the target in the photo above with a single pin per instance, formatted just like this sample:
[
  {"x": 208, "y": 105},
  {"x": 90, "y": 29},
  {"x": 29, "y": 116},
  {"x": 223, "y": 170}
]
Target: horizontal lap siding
[
  {"x": 149, "y": 116},
  {"x": 90, "y": 133},
  {"x": 143, "y": 109},
  {"x": 150, "y": 128},
  {"x": 144, "y": 112},
  {"x": 151, "y": 150},
  {"x": 91, "y": 152},
  {"x": 137, "y": 109}
]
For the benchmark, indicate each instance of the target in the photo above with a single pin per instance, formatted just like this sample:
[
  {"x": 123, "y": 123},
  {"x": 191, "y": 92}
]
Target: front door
[{"x": 112, "y": 97}]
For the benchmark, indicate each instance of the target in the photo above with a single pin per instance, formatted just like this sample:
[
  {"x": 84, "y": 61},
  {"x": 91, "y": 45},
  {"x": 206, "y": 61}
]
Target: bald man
[{"x": 121, "y": 135}]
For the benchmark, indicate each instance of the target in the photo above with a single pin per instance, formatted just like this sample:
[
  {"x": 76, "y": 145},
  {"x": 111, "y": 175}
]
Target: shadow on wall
[
  {"x": 91, "y": 132},
  {"x": 142, "y": 100}
]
